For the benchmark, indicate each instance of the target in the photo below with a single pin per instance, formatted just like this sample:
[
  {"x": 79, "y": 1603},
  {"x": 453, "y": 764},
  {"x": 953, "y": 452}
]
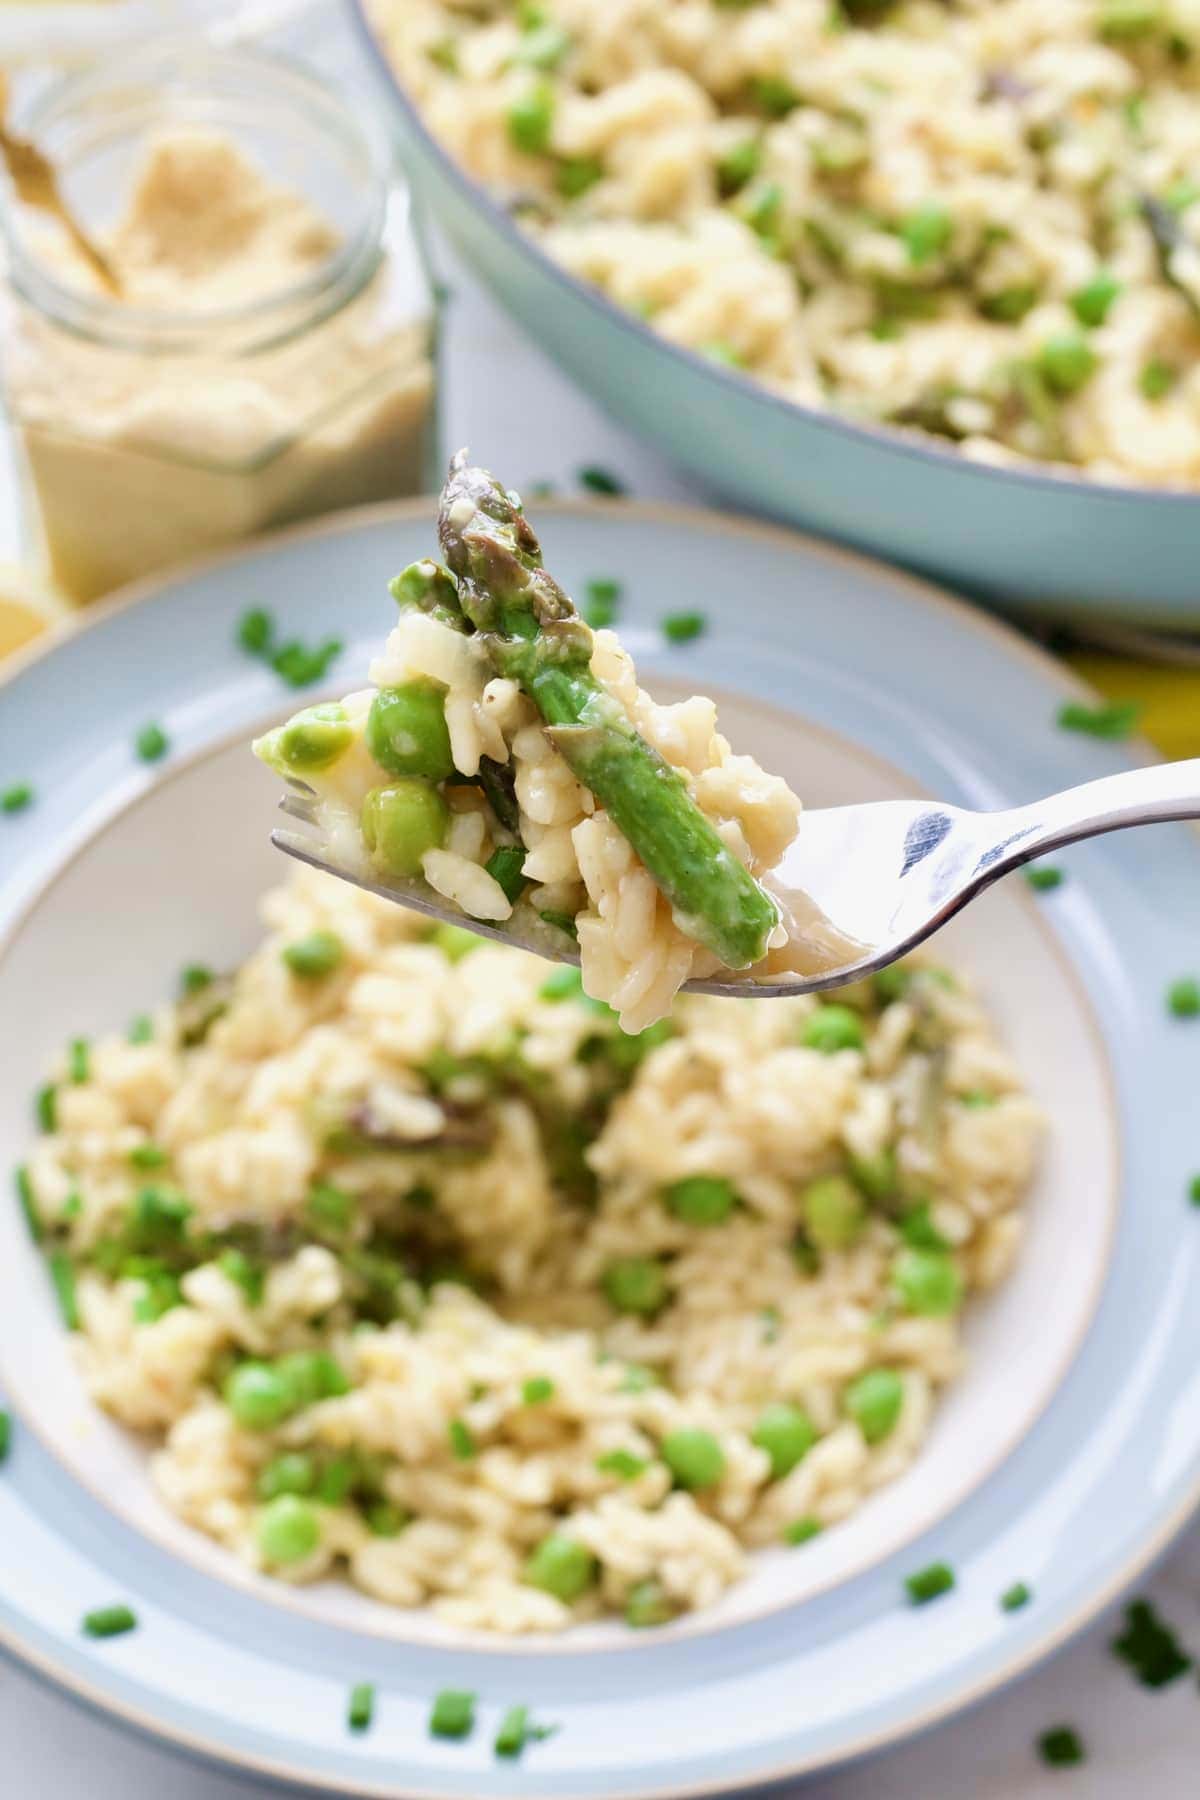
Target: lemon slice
[{"x": 28, "y": 606}]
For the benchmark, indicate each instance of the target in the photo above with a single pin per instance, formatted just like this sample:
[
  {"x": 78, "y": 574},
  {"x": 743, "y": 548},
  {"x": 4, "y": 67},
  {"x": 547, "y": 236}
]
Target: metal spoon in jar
[
  {"x": 35, "y": 183},
  {"x": 860, "y": 886}
]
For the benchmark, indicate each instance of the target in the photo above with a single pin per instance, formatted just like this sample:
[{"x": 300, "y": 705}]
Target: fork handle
[{"x": 1134, "y": 797}]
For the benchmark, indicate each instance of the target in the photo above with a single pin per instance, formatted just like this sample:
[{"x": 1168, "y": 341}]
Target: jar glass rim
[{"x": 269, "y": 318}]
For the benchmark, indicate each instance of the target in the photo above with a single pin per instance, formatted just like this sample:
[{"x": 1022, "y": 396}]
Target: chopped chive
[
  {"x": 1194, "y": 1190},
  {"x": 151, "y": 743},
  {"x": 1150, "y": 1647},
  {"x": 506, "y": 868},
  {"x": 299, "y": 665},
  {"x": 360, "y": 1706},
  {"x": 452, "y": 1714},
  {"x": 622, "y": 1463},
  {"x": 147, "y": 1156},
  {"x": 681, "y": 628},
  {"x": 1015, "y": 1597},
  {"x": 16, "y": 798},
  {"x": 1183, "y": 997},
  {"x": 28, "y": 1203},
  {"x": 78, "y": 1061},
  {"x": 925, "y": 232},
  {"x": 1042, "y": 877},
  {"x": 1060, "y": 1747},
  {"x": 929, "y": 1583},
  {"x": 1091, "y": 303},
  {"x": 530, "y": 119},
  {"x": 5, "y": 1434},
  {"x": 536, "y": 1389},
  {"x": 62, "y": 1275},
  {"x": 600, "y": 481},
  {"x": 1112, "y": 720},
  {"x": 603, "y": 598},
  {"x": 46, "y": 1106},
  {"x": 775, "y": 95},
  {"x": 255, "y": 631},
  {"x": 801, "y": 1530},
  {"x": 564, "y": 922},
  {"x": 237, "y": 1267},
  {"x": 919, "y": 1231},
  {"x": 462, "y": 1440},
  {"x": 72, "y": 1206},
  {"x": 109, "y": 1621},
  {"x": 195, "y": 978},
  {"x": 141, "y": 1029},
  {"x": 515, "y": 1732}
]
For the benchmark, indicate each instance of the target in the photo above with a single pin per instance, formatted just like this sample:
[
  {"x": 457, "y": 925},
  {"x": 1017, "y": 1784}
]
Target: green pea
[
  {"x": 926, "y": 231},
  {"x": 312, "y": 739},
  {"x": 289, "y": 1529},
  {"x": 874, "y": 1402},
  {"x": 786, "y": 1433},
  {"x": 314, "y": 956},
  {"x": 531, "y": 119},
  {"x": 575, "y": 175},
  {"x": 694, "y": 1457},
  {"x": 561, "y": 1566},
  {"x": 1067, "y": 362},
  {"x": 926, "y": 1281},
  {"x": 311, "y": 1375},
  {"x": 401, "y": 822},
  {"x": 1008, "y": 306},
  {"x": 701, "y": 1199},
  {"x": 1092, "y": 301},
  {"x": 406, "y": 731},
  {"x": 635, "y": 1284},
  {"x": 891, "y": 984},
  {"x": 877, "y": 1175},
  {"x": 258, "y": 1396},
  {"x": 386, "y": 1520},
  {"x": 648, "y": 1603},
  {"x": 834, "y": 1212},
  {"x": 832, "y": 1028},
  {"x": 292, "y": 1473},
  {"x": 455, "y": 941},
  {"x": 1129, "y": 18},
  {"x": 1156, "y": 379}
]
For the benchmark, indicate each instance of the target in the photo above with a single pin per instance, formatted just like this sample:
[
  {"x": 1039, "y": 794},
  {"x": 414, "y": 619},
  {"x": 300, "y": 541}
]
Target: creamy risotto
[
  {"x": 978, "y": 219},
  {"x": 412, "y": 1266}
]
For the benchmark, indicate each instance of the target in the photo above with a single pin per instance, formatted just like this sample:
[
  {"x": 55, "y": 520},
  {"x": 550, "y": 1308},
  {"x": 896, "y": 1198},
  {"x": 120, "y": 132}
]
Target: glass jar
[{"x": 270, "y": 352}]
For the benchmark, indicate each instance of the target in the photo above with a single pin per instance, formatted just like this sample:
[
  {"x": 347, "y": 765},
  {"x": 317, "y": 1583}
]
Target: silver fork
[{"x": 881, "y": 877}]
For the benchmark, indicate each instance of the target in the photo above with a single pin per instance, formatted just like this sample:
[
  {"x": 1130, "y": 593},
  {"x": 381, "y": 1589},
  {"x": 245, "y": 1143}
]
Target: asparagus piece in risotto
[
  {"x": 506, "y": 756},
  {"x": 533, "y": 635}
]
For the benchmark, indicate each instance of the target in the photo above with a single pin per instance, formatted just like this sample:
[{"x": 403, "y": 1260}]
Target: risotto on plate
[{"x": 411, "y": 1266}]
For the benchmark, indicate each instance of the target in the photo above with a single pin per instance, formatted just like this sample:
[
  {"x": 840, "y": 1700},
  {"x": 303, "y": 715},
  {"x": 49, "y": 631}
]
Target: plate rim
[{"x": 918, "y": 589}]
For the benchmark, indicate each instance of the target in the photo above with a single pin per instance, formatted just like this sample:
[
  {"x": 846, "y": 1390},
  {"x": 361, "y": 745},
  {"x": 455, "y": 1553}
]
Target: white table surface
[{"x": 515, "y": 410}]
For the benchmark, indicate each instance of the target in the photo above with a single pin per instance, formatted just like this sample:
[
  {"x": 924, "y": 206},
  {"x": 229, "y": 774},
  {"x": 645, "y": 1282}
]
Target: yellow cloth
[{"x": 1170, "y": 697}]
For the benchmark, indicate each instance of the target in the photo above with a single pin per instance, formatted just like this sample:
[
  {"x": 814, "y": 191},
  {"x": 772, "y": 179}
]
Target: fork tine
[{"x": 297, "y": 807}]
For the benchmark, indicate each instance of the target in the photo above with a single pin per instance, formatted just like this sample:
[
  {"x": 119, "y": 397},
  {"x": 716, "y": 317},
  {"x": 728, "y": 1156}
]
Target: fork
[{"x": 871, "y": 881}]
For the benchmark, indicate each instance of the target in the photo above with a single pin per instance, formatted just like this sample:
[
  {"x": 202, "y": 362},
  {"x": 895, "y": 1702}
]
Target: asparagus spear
[{"x": 533, "y": 634}]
